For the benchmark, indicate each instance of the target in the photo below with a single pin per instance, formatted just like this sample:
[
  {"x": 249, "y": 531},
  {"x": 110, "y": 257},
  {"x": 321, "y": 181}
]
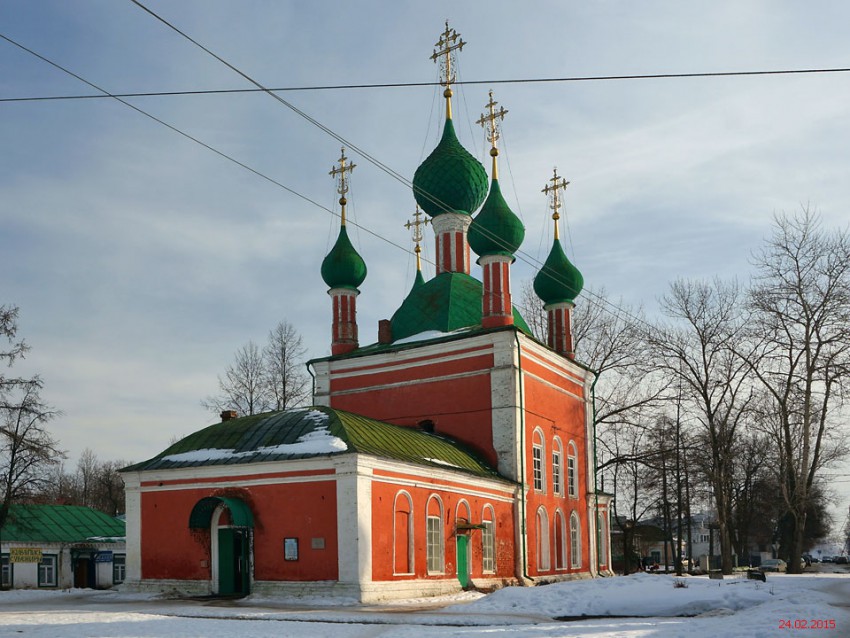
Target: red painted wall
[
  {"x": 555, "y": 413},
  {"x": 301, "y": 510},
  {"x": 459, "y": 407},
  {"x": 383, "y": 500}
]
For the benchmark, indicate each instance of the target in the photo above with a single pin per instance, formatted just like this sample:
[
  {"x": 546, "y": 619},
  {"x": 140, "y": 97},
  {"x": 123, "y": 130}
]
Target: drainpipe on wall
[
  {"x": 595, "y": 471},
  {"x": 523, "y": 527},
  {"x": 312, "y": 384}
]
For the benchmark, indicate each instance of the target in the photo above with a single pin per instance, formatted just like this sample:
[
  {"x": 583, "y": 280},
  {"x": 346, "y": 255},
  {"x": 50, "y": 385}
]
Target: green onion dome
[
  {"x": 496, "y": 230},
  {"x": 419, "y": 280},
  {"x": 450, "y": 180},
  {"x": 558, "y": 281},
  {"x": 343, "y": 267}
]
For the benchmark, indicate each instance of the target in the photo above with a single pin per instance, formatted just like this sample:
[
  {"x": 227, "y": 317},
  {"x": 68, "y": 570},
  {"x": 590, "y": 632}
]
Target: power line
[
  {"x": 194, "y": 139},
  {"x": 104, "y": 93},
  {"x": 387, "y": 169},
  {"x": 399, "y": 85}
]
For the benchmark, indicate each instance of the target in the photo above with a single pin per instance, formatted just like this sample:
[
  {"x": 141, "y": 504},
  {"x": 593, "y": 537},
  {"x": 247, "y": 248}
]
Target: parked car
[
  {"x": 773, "y": 565},
  {"x": 827, "y": 559},
  {"x": 840, "y": 559}
]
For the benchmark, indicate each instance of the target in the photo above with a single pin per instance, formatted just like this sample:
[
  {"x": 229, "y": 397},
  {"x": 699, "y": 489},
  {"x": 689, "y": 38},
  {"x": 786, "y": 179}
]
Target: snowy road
[{"x": 784, "y": 605}]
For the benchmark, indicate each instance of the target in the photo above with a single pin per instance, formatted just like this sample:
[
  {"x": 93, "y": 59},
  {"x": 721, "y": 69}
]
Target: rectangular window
[
  {"x": 537, "y": 456},
  {"x": 572, "y": 478},
  {"x": 47, "y": 571},
  {"x": 488, "y": 543},
  {"x": 703, "y": 538},
  {"x": 5, "y": 571},
  {"x": 556, "y": 471},
  {"x": 119, "y": 568},
  {"x": 435, "y": 545}
]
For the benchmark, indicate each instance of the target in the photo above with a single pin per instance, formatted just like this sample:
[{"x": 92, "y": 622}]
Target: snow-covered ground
[{"x": 637, "y": 606}]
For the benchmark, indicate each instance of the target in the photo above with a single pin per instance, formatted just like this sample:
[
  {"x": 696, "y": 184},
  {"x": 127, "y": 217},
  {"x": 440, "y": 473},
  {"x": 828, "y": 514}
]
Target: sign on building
[{"x": 25, "y": 554}]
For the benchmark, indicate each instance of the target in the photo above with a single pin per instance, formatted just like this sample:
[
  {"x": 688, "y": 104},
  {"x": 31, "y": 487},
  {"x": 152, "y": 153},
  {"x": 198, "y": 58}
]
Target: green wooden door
[
  {"x": 233, "y": 562},
  {"x": 463, "y": 559}
]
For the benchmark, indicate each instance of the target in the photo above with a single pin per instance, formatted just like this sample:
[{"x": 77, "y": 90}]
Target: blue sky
[{"x": 141, "y": 261}]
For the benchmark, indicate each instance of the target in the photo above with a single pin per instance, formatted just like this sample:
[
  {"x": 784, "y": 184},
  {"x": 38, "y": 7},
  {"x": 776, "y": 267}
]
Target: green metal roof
[
  {"x": 343, "y": 267},
  {"x": 59, "y": 524},
  {"x": 450, "y": 301},
  {"x": 496, "y": 230},
  {"x": 558, "y": 281},
  {"x": 450, "y": 179},
  {"x": 310, "y": 432}
]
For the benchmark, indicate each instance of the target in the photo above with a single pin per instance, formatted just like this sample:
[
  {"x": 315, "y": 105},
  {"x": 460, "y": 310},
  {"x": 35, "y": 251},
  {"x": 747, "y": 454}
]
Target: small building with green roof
[{"x": 61, "y": 546}]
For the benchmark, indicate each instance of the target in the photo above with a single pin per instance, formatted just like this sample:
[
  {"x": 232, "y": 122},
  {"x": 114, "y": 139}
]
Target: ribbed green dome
[
  {"x": 343, "y": 267},
  {"x": 450, "y": 180},
  {"x": 496, "y": 230},
  {"x": 558, "y": 281},
  {"x": 419, "y": 280},
  {"x": 448, "y": 302}
]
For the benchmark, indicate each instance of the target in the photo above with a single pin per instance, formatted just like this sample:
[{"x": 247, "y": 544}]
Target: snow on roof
[
  {"x": 319, "y": 441},
  {"x": 429, "y": 334}
]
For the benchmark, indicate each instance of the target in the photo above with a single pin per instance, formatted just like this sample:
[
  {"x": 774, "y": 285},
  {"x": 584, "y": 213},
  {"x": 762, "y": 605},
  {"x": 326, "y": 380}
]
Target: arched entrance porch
[{"x": 230, "y": 523}]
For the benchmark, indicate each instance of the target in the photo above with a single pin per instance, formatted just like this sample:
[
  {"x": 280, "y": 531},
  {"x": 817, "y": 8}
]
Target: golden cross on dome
[
  {"x": 558, "y": 184},
  {"x": 489, "y": 120},
  {"x": 339, "y": 173},
  {"x": 490, "y": 123},
  {"x": 417, "y": 225},
  {"x": 449, "y": 41}
]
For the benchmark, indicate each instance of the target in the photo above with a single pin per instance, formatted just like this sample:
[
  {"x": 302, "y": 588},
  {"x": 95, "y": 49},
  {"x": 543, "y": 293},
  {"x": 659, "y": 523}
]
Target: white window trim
[
  {"x": 441, "y": 536},
  {"x": 410, "y": 541},
  {"x": 123, "y": 565},
  {"x": 572, "y": 473},
  {"x": 488, "y": 518},
  {"x": 575, "y": 541},
  {"x": 557, "y": 467},
  {"x": 560, "y": 525},
  {"x": 55, "y": 561},
  {"x": 538, "y": 451},
  {"x": 544, "y": 545}
]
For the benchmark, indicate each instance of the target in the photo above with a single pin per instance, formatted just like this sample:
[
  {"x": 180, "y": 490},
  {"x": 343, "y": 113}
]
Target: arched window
[
  {"x": 572, "y": 470},
  {"x": 488, "y": 540},
  {"x": 434, "y": 535},
  {"x": 463, "y": 514},
  {"x": 575, "y": 541},
  {"x": 538, "y": 456},
  {"x": 560, "y": 540},
  {"x": 403, "y": 534},
  {"x": 543, "y": 549},
  {"x": 602, "y": 536},
  {"x": 557, "y": 467}
]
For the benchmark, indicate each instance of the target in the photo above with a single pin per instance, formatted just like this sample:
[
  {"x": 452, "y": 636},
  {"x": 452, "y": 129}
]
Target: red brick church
[{"x": 457, "y": 451}]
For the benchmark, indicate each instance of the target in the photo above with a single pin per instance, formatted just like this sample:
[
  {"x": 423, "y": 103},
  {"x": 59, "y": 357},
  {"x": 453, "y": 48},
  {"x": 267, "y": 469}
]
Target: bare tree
[
  {"x": 285, "y": 378},
  {"x": 697, "y": 352},
  {"x": 533, "y": 311},
  {"x": 27, "y": 450},
  {"x": 86, "y": 476},
  {"x": 261, "y": 380},
  {"x": 800, "y": 302},
  {"x": 244, "y": 386}
]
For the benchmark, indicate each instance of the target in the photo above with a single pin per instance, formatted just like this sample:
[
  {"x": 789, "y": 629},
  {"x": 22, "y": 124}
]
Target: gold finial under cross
[
  {"x": 417, "y": 225},
  {"x": 339, "y": 173},
  {"x": 558, "y": 184},
  {"x": 449, "y": 42},
  {"x": 490, "y": 123}
]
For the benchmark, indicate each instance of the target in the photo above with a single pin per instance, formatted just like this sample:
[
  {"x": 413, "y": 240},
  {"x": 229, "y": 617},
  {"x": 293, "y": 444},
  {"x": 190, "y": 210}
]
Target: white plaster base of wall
[{"x": 167, "y": 586}]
